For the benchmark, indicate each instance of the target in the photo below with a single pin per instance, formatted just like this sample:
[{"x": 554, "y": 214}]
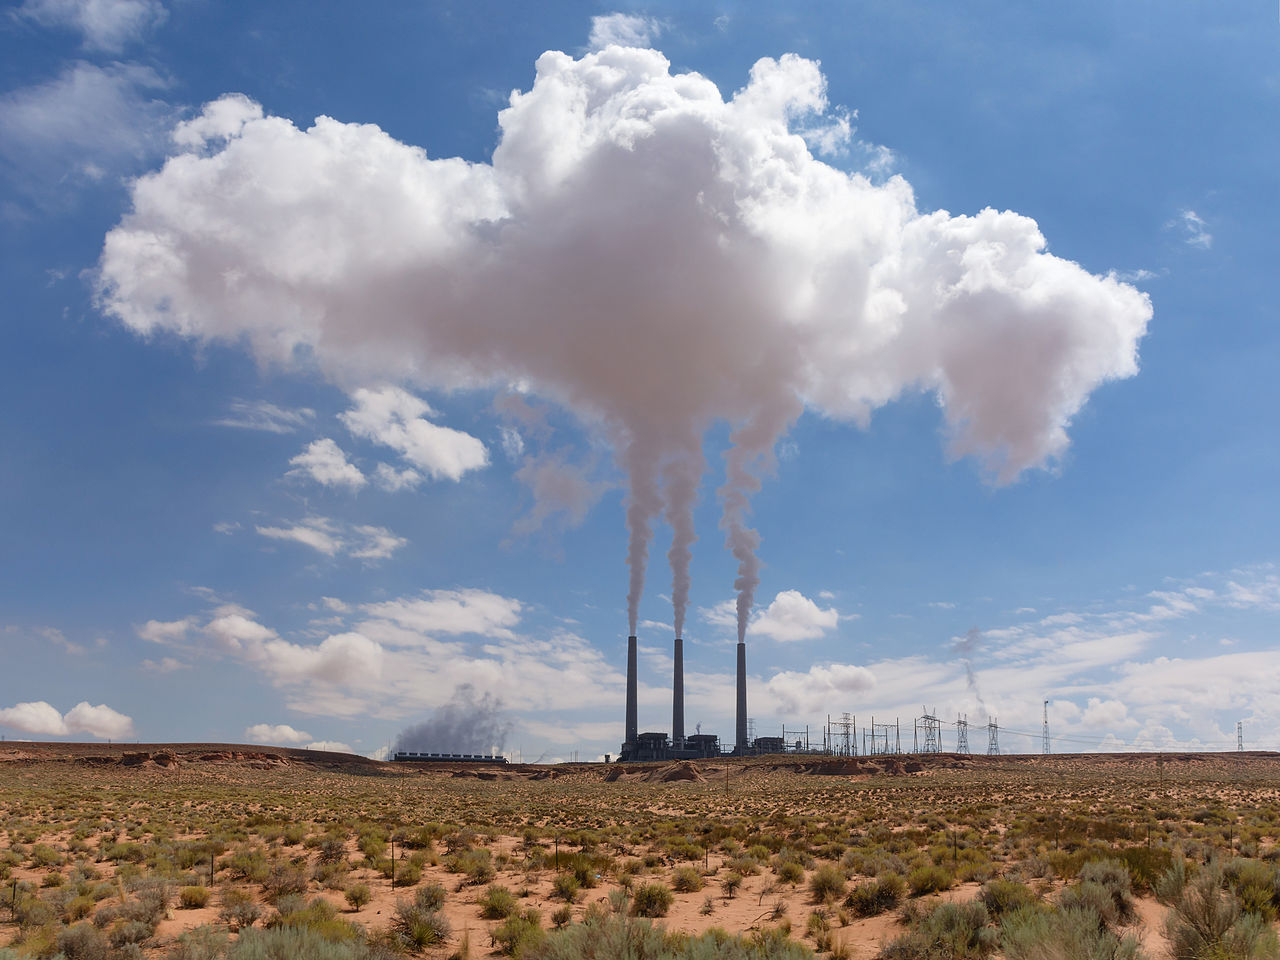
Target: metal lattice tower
[
  {"x": 882, "y": 738},
  {"x": 931, "y": 727},
  {"x": 962, "y": 734},
  {"x": 842, "y": 742},
  {"x": 1240, "y": 735},
  {"x": 993, "y": 738},
  {"x": 1044, "y": 738}
]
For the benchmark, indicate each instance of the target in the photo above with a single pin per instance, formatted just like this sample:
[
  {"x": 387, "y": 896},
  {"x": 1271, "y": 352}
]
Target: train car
[{"x": 408, "y": 756}]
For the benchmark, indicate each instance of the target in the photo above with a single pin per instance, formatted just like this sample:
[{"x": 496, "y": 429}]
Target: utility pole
[
  {"x": 1044, "y": 741},
  {"x": 993, "y": 738},
  {"x": 1240, "y": 736}
]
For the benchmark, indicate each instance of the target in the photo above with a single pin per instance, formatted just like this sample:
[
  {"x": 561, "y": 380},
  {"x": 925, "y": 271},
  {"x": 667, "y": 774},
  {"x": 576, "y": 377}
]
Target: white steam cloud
[
  {"x": 466, "y": 724},
  {"x": 642, "y": 251}
]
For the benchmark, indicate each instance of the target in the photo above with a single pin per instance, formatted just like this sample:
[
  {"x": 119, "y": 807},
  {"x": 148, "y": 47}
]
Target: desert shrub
[
  {"x": 730, "y": 884},
  {"x": 565, "y": 886},
  {"x": 42, "y": 855},
  {"x": 475, "y": 864},
  {"x": 498, "y": 903},
  {"x": 283, "y": 879},
  {"x": 77, "y": 908},
  {"x": 318, "y": 916},
  {"x": 1146, "y": 865},
  {"x": 238, "y": 908},
  {"x": 827, "y": 883},
  {"x": 1113, "y": 877},
  {"x": 607, "y": 937},
  {"x": 408, "y": 874},
  {"x": 928, "y": 878},
  {"x": 202, "y": 943},
  {"x": 651, "y": 900},
  {"x": 416, "y": 926},
  {"x": 130, "y": 932},
  {"x": 520, "y": 934},
  {"x": 686, "y": 880},
  {"x": 1255, "y": 884},
  {"x": 83, "y": 941},
  {"x": 1092, "y": 899},
  {"x": 358, "y": 896},
  {"x": 950, "y": 931},
  {"x": 193, "y": 898},
  {"x": 1206, "y": 921},
  {"x": 430, "y": 897},
  {"x": 287, "y": 943},
  {"x": 1005, "y": 896},
  {"x": 333, "y": 849},
  {"x": 789, "y": 871},
  {"x": 1029, "y": 933},
  {"x": 562, "y": 916},
  {"x": 876, "y": 896}
]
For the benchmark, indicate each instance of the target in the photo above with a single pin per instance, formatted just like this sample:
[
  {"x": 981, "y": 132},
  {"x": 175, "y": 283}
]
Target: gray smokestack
[
  {"x": 677, "y": 697},
  {"x": 741, "y": 732},
  {"x": 632, "y": 724}
]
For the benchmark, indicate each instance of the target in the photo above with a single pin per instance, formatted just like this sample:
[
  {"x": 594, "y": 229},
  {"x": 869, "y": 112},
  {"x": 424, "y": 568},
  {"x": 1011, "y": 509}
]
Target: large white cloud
[
  {"x": 43, "y": 719},
  {"x": 793, "y": 616},
  {"x": 641, "y": 250}
]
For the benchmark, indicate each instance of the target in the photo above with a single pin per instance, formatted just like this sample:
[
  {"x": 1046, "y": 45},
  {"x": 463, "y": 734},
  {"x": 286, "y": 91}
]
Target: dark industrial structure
[{"x": 405, "y": 756}]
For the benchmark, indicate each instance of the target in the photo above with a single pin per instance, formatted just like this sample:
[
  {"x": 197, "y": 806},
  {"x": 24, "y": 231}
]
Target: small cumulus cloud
[
  {"x": 326, "y": 463},
  {"x": 280, "y": 733},
  {"x": 395, "y": 418}
]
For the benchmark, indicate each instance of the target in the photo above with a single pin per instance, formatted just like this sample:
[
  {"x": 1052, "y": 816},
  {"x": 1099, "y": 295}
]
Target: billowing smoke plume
[
  {"x": 640, "y": 250},
  {"x": 965, "y": 647},
  {"x": 463, "y": 725}
]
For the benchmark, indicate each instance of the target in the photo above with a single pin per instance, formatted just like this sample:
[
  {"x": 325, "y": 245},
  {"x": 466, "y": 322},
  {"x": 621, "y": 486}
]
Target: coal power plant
[{"x": 657, "y": 745}]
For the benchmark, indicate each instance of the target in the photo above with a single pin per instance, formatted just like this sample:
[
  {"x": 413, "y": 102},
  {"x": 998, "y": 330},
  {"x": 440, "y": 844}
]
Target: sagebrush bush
[
  {"x": 358, "y": 896},
  {"x": 651, "y": 900},
  {"x": 954, "y": 931},
  {"x": 929, "y": 878},
  {"x": 498, "y": 903},
  {"x": 1032, "y": 933},
  {"x": 826, "y": 883},
  {"x": 193, "y": 898},
  {"x": 686, "y": 880},
  {"x": 877, "y": 896},
  {"x": 417, "y": 927}
]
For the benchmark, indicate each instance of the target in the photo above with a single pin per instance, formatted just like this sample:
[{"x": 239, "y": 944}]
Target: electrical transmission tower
[
  {"x": 882, "y": 738},
  {"x": 962, "y": 734},
  {"x": 1044, "y": 739},
  {"x": 846, "y": 736},
  {"x": 931, "y": 727},
  {"x": 993, "y": 738},
  {"x": 1240, "y": 735}
]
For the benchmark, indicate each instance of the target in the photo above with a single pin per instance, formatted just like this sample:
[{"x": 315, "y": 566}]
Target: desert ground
[{"x": 214, "y": 850}]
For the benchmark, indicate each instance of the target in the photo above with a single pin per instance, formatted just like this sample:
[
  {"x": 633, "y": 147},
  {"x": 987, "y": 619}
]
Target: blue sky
[{"x": 332, "y": 429}]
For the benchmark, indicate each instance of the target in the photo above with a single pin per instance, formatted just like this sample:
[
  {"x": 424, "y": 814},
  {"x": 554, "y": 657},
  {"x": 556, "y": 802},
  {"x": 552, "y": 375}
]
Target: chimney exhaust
[
  {"x": 632, "y": 724},
  {"x": 741, "y": 732},
  {"x": 677, "y": 698}
]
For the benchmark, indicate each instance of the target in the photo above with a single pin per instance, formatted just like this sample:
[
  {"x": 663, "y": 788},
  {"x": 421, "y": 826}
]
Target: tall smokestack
[
  {"x": 741, "y": 732},
  {"x": 632, "y": 725},
  {"x": 677, "y": 697}
]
